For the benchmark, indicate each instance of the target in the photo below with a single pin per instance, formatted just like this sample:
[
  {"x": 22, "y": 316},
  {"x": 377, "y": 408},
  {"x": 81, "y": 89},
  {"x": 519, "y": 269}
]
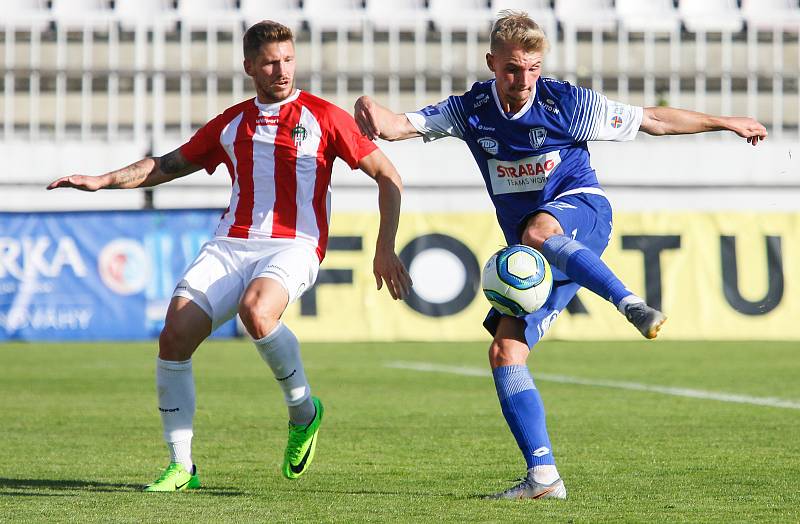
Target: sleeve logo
[{"x": 616, "y": 121}]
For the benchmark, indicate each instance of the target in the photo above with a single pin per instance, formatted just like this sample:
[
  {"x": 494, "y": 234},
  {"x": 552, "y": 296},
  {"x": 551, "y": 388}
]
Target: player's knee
[
  {"x": 258, "y": 318},
  {"x": 172, "y": 344},
  {"x": 539, "y": 228},
  {"x": 501, "y": 353}
]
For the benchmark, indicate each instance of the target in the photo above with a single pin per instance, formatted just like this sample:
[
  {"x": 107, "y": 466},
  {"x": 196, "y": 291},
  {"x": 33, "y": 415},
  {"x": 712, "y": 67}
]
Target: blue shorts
[{"x": 587, "y": 218}]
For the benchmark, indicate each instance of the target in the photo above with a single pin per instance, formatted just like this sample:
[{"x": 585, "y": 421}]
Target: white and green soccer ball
[{"x": 517, "y": 280}]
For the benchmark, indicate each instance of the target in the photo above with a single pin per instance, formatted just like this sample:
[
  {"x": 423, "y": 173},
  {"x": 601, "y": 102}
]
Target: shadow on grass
[{"x": 31, "y": 487}]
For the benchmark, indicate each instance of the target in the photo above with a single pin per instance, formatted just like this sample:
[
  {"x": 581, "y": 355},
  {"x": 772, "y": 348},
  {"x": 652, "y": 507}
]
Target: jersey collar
[
  {"x": 519, "y": 113},
  {"x": 272, "y": 107}
]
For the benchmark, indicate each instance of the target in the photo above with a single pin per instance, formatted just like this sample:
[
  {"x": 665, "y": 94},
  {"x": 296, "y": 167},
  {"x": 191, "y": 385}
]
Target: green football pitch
[{"x": 642, "y": 432}]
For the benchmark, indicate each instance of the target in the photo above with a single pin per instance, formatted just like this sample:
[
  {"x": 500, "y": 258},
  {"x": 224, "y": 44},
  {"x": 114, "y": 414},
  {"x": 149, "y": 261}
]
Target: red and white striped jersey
[{"x": 280, "y": 158}]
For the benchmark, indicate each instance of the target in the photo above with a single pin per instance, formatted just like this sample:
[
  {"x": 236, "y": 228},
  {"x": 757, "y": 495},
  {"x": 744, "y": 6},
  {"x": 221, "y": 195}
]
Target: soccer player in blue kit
[{"x": 528, "y": 135}]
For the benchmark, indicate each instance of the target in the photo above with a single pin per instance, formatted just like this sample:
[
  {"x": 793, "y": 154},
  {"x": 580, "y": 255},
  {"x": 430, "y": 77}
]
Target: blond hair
[
  {"x": 264, "y": 32},
  {"x": 516, "y": 28}
]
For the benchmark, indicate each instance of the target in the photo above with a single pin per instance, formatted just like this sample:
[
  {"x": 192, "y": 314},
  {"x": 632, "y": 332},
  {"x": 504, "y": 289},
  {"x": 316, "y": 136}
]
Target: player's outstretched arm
[
  {"x": 387, "y": 266},
  {"x": 147, "y": 172},
  {"x": 670, "y": 121},
  {"x": 375, "y": 121}
]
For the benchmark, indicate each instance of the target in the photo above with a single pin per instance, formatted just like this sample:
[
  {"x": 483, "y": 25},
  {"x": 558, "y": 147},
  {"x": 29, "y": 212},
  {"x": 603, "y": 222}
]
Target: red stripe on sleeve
[
  {"x": 243, "y": 150},
  {"x": 284, "y": 213}
]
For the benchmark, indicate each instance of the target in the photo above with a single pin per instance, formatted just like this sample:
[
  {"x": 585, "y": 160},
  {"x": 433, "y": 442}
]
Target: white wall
[{"x": 711, "y": 173}]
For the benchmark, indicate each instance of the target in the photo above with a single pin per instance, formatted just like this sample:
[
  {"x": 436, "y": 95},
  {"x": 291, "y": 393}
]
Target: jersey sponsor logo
[
  {"x": 488, "y": 144},
  {"x": 525, "y": 174},
  {"x": 549, "y": 105},
  {"x": 299, "y": 133},
  {"x": 537, "y": 136},
  {"x": 486, "y": 128},
  {"x": 263, "y": 120},
  {"x": 481, "y": 99}
]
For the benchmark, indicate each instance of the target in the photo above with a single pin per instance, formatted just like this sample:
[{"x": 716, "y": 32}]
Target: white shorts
[{"x": 223, "y": 269}]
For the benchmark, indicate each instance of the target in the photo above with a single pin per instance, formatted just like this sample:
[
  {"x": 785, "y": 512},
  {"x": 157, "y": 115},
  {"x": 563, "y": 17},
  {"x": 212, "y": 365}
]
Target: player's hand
[
  {"x": 364, "y": 114},
  {"x": 748, "y": 128},
  {"x": 82, "y": 182},
  {"x": 388, "y": 268}
]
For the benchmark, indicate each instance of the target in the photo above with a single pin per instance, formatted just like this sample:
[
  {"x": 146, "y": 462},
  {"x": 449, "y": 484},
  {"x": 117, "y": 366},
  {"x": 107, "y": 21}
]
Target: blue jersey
[{"x": 536, "y": 155}]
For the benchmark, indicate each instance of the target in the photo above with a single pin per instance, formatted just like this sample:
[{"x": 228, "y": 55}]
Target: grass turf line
[{"x": 80, "y": 434}]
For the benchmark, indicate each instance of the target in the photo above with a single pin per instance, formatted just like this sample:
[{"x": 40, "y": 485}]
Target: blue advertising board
[{"x": 95, "y": 275}]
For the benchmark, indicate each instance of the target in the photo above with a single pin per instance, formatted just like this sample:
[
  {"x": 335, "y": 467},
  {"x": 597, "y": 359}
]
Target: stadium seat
[
  {"x": 403, "y": 15},
  {"x": 538, "y": 10},
  {"x": 648, "y": 15},
  {"x": 710, "y": 15},
  {"x": 772, "y": 14},
  {"x": 199, "y": 14},
  {"x": 330, "y": 15},
  {"x": 147, "y": 13},
  {"x": 460, "y": 15},
  {"x": 287, "y": 12},
  {"x": 76, "y": 14},
  {"x": 586, "y": 14}
]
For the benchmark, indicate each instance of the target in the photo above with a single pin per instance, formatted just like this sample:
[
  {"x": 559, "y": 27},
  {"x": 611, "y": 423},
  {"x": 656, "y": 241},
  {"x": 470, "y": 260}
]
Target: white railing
[{"x": 104, "y": 76}]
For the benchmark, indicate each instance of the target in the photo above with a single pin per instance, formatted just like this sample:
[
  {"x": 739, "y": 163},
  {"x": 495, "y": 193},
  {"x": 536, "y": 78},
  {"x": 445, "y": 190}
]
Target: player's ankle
[
  {"x": 629, "y": 301},
  {"x": 544, "y": 474}
]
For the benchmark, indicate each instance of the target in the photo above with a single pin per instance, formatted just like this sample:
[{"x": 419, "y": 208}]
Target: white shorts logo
[{"x": 525, "y": 174}]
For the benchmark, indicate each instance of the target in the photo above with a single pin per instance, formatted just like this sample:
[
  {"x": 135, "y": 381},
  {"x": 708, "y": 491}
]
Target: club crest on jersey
[
  {"x": 299, "y": 133},
  {"x": 488, "y": 144},
  {"x": 537, "y": 136}
]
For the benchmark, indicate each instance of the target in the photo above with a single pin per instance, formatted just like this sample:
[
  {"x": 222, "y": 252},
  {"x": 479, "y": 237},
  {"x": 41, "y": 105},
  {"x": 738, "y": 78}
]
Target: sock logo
[
  {"x": 541, "y": 452},
  {"x": 287, "y": 377},
  {"x": 173, "y": 410}
]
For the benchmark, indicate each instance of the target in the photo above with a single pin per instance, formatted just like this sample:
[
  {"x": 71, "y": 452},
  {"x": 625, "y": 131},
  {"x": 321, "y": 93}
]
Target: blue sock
[
  {"x": 524, "y": 412},
  {"x": 584, "y": 267}
]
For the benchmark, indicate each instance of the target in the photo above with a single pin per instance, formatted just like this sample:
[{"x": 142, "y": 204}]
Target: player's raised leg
[
  {"x": 585, "y": 267},
  {"x": 261, "y": 307},
  {"x": 186, "y": 326},
  {"x": 524, "y": 412}
]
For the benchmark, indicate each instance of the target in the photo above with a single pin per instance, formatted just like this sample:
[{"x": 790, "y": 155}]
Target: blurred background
[{"x": 706, "y": 226}]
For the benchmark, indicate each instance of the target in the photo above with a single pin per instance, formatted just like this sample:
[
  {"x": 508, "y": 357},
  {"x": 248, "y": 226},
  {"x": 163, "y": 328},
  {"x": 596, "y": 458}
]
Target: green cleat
[
  {"x": 175, "y": 478},
  {"x": 301, "y": 445}
]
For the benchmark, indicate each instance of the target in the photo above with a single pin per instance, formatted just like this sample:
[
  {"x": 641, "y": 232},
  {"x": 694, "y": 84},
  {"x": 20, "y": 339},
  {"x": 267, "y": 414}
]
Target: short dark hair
[{"x": 262, "y": 33}]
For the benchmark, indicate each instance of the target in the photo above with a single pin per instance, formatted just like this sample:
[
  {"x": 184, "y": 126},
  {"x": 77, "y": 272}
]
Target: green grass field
[{"x": 80, "y": 434}]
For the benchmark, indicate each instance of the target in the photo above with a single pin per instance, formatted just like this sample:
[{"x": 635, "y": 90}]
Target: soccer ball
[{"x": 517, "y": 280}]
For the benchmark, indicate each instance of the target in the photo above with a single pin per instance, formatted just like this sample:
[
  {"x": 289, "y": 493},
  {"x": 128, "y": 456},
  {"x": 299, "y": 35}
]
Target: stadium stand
[{"x": 148, "y": 72}]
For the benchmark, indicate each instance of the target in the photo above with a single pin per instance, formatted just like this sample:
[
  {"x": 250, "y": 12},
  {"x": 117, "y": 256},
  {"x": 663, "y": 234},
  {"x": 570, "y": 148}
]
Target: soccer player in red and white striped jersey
[{"x": 279, "y": 148}]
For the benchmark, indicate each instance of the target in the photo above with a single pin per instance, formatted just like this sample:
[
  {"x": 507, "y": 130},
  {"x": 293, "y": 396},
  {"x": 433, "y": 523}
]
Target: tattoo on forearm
[
  {"x": 131, "y": 174},
  {"x": 172, "y": 163}
]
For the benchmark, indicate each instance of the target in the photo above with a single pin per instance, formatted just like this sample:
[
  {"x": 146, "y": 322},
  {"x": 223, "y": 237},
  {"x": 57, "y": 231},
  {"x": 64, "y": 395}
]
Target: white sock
[
  {"x": 176, "y": 403},
  {"x": 627, "y": 301},
  {"x": 545, "y": 474},
  {"x": 181, "y": 452},
  {"x": 281, "y": 351}
]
